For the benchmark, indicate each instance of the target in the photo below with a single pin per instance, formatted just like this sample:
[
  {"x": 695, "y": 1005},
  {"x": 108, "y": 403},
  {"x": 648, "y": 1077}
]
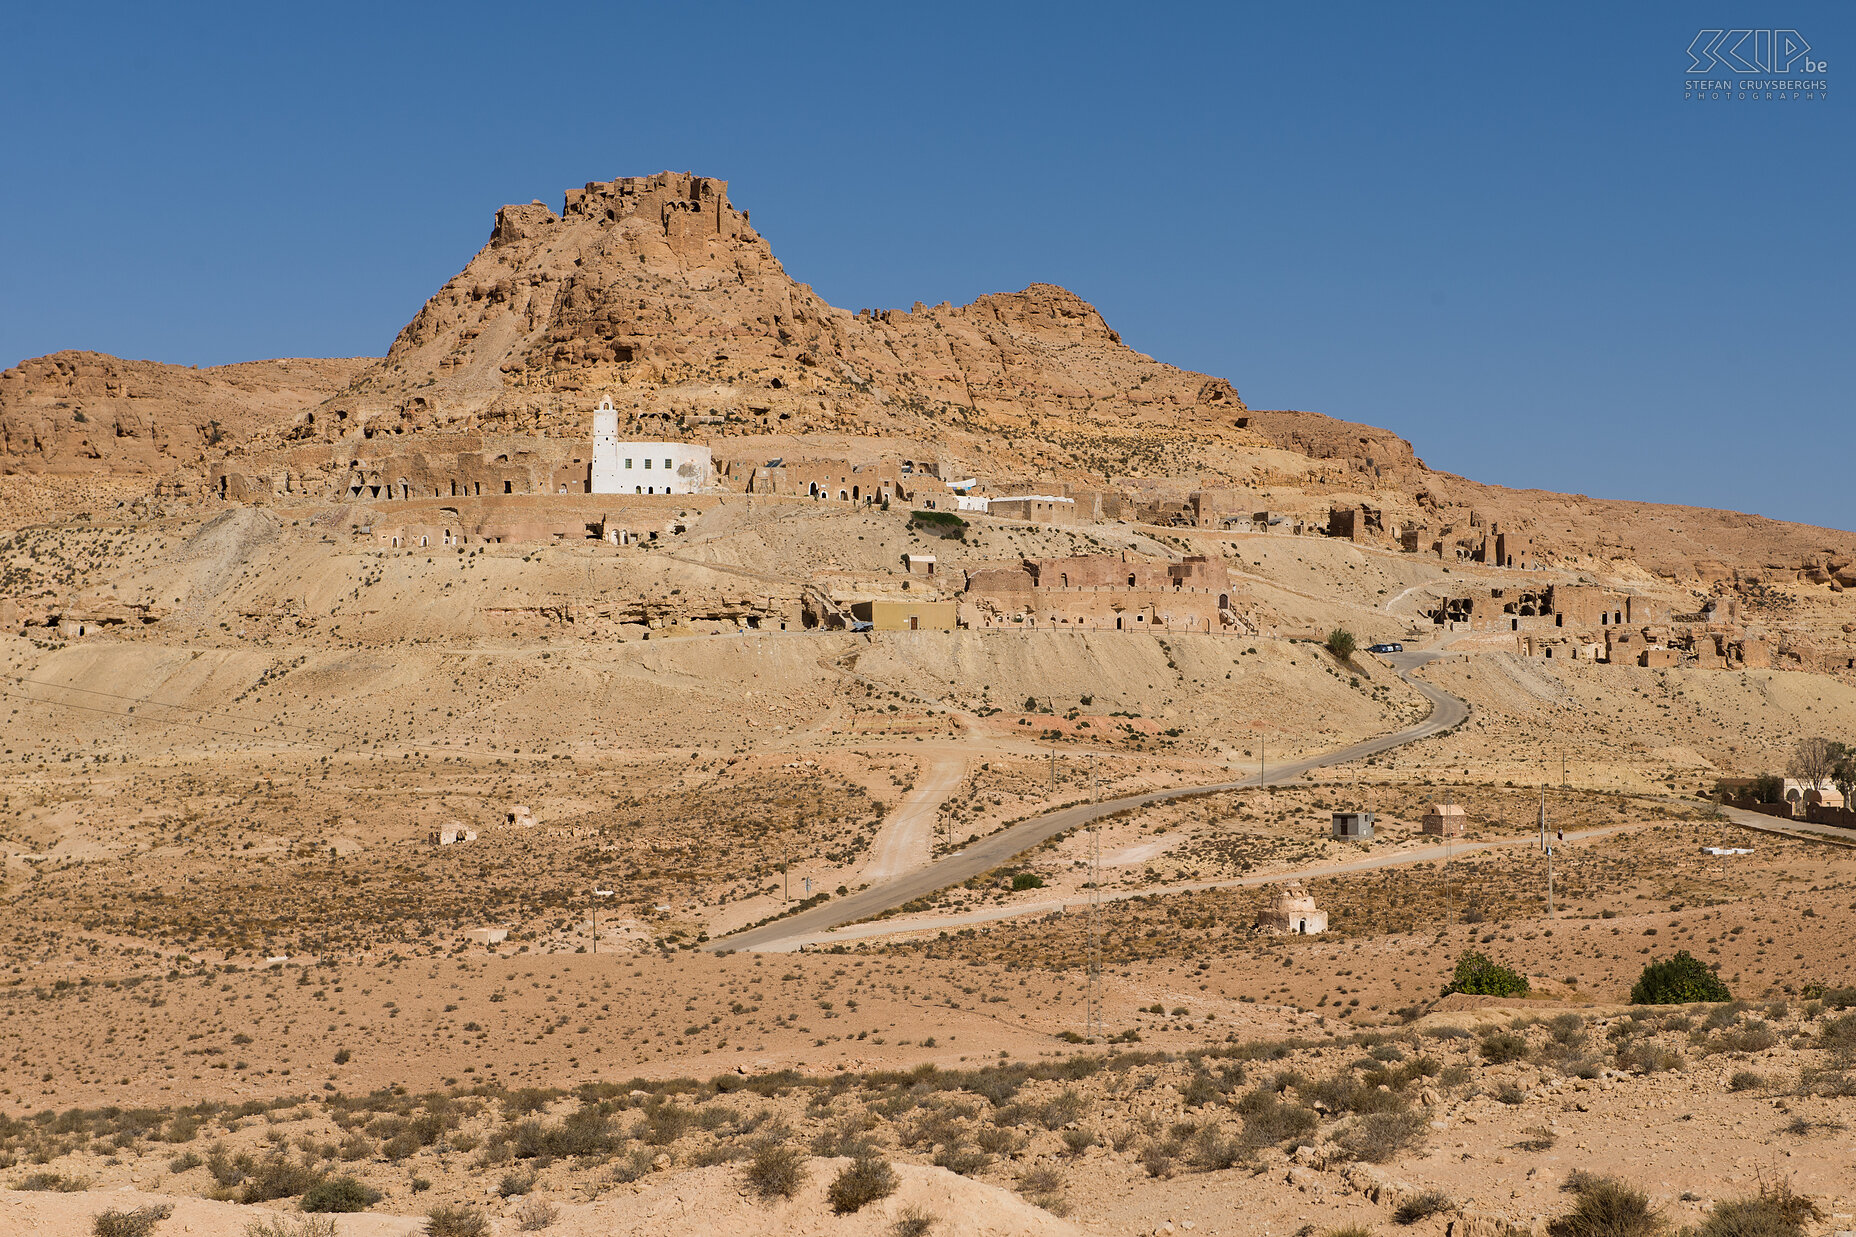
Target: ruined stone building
[
  {"x": 1292, "y": 912},
  {"x": 829, "y": 480},
  {"x": 1103, "y": 592},
  {"x": 1444, "y": 820}
]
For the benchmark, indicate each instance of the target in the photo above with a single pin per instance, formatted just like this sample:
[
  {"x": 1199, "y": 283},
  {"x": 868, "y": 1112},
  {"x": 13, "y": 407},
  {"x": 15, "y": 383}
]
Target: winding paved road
[{"x": 990, "y": 852}]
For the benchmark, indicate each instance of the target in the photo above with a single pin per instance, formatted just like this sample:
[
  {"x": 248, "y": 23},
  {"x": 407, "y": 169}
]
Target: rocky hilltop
[{"x": 658, "y": 292}]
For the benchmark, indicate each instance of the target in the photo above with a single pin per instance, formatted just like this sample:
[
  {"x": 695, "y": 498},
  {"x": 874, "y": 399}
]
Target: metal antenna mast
[{"x": 1093, "y": 1014}]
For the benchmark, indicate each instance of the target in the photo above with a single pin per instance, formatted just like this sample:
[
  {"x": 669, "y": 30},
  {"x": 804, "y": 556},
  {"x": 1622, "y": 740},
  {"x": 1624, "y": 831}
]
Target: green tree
[
  {"x": 1479, "y": 975},
  {"x": 1679, "y": 981},
  {"x": 1341, "y": 643}
]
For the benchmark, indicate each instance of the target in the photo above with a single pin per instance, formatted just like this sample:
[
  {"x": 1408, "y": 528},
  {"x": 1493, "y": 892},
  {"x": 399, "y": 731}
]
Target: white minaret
[{"x": 605, "y": 448}]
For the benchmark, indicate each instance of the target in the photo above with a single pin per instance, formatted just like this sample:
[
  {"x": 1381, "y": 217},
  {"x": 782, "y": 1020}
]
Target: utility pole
[
  {"x": 1543, "y": 818},
  {"x": 1549, "y": 882},
  {"x": 1092, "y": 1028}
]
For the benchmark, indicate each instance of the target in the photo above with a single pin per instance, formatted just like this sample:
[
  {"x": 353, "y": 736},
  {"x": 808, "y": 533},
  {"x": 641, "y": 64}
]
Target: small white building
[
  {"x": 452, "y": 833},
  {"x": 644, "y": 467}
]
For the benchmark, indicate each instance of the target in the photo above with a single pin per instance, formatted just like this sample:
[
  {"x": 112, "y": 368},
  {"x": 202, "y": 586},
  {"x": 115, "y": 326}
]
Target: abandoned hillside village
[{"x": 458, "y": 490}]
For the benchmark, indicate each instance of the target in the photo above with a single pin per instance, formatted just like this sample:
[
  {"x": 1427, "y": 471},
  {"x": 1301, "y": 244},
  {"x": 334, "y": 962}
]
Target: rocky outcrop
[{"x": 87, "y": 412}]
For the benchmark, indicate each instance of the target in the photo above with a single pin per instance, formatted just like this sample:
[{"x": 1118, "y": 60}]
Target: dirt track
[{"x": 988, "y": 853}]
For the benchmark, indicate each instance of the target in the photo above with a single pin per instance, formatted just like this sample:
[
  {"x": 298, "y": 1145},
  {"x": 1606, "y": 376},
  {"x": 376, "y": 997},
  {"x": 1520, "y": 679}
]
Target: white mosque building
[{"x": 644, "y": 467}]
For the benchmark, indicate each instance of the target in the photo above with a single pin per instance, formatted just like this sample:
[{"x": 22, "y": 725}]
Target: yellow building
[{"x": 905, "y": 615}]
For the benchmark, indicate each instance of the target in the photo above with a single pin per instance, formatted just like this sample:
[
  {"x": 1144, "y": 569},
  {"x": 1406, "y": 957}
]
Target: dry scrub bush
[
  {"x": 1423, "y": 1206},
  {"x": 456, "y": 1220},
  {"x": 1606, "y": 1207},
  {"x": 1382, "y": 1136},
  {"x": 1837, "y": 1036},
  {"x": 1269, "y": 1120},
  {"x": 1773, "y": 1212},
  {"x": 913, "y": 1222},
  {"x": 863, "y": 1181},
  {"x": 292, "y": 1226},
  {"x": 137, "y": 1223},
  {"x": 776, "y": 1169},
  {"x": 1501, "y": 1047},
  {"x": 535, "y": 1215}
]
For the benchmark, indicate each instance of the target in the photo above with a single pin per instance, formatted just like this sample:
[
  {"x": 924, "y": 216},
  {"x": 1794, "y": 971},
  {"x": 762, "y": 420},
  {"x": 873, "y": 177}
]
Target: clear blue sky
[{"x": 1500, "y": 232}]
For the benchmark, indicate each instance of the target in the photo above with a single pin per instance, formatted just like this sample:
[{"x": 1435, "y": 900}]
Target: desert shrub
[
  {"x": 1044, "y": 1180},
  {"x": 1724, "y": 1015},
  {"x": 1341, "y": 643},
  {"x": 999, "y": 1140},
  {"x": 1753, "y": 1035},
  {"x": 1681, "y": 980},
  {"x": 1479, "y": 975},
  {"x": 536, "y": 1215},
  {"x": 1773, "y": 1212},
  {"x": 456, "y": 1220},
  {"x": 1382, "y": 1136},
  {"x": 1836, "y": 998},
  {"x": 339, "y": 1194},
  {"x": 1539, "y": 1138},
  {"x": 1567, "y": 1029},
  {"x": 776, "y": 1169},
  {"x": 913, "y": 1222},
  {"x": 1269, "y": 1120},
  {"x": 1606, "y": 1207},
  {"x": 514, "y": 1184},
  {"x": 1157, "y": 1159},
  {"x": 1837, "y": 1036},
  {"x": 1745, "y": 1080},
  {"x": 291, "y": 1226},
  {"x": 848, "y": 1137},
  {"x": 1423, "y": 1206},
  {"x": 1827, "y": 1083},
  {"x": 1501, "y": 1047},
  {"x": 1213, "y": 1151},
  {"x": 137, "y": 1223},
  {"x": 277, "y": 1177},
  {"x": 863, "y": 1181},
  {"x": 56, "y": 1182},
  {"x": 1349, "y": 1230},
  {"x": 184, "y": 1161},
  {"x": 957, "y": 1157},
  {"x": 1647, "y": 1058},
  {"x": 663, "y": 1124},
  {"x": 634, "y": 1166},
  {"x": 1063, "y": 1109},
  {"x": 1027, "y": 880}
]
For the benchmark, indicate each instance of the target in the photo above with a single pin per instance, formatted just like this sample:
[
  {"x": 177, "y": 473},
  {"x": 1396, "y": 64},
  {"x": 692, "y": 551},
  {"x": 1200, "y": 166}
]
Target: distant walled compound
[
  {"x": 1236, "y": 510},
  {"x": 1590, "y": 623},
  {"x": 1106, "y": 593}
]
